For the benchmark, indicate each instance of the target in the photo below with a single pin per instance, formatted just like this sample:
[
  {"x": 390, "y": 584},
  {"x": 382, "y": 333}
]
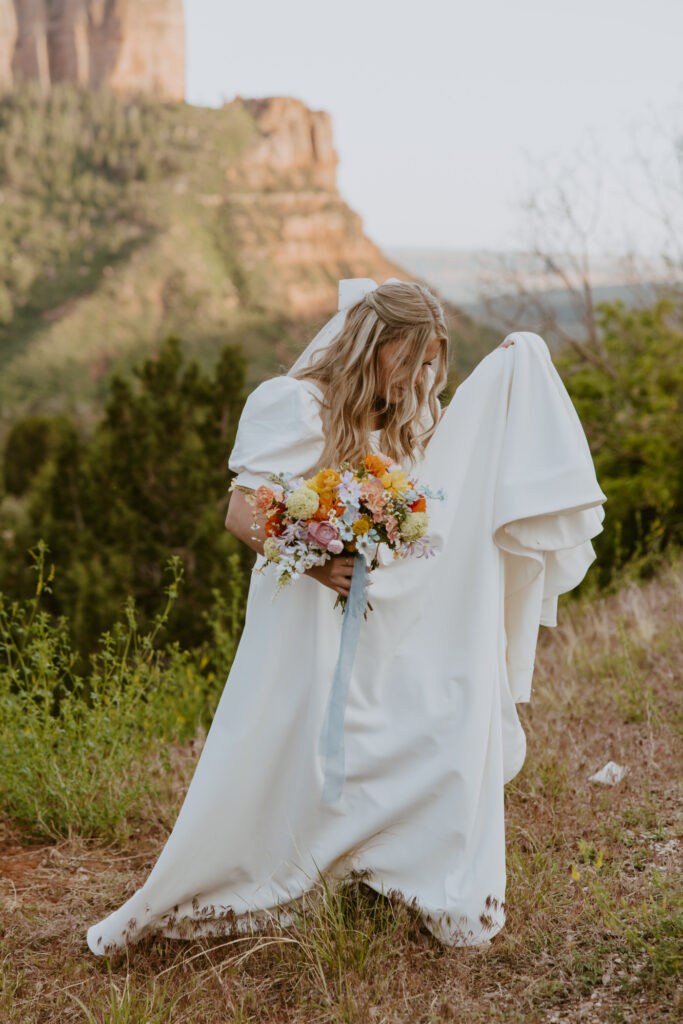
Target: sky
[{"x": 448, "y": 114}]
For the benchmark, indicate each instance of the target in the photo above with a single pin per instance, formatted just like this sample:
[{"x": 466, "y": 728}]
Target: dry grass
[{"x": 594, "y": 907}]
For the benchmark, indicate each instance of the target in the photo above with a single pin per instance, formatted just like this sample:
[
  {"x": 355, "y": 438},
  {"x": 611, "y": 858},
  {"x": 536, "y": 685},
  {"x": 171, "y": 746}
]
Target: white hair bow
[{"x": 353, "y": 289}]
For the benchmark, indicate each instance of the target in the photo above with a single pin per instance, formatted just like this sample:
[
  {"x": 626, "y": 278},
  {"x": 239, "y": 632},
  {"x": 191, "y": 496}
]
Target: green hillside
[
  {"x": 114, "y": 235},
  {"x": 116, "y": 231},
  {"x": 108, "y": 242}
]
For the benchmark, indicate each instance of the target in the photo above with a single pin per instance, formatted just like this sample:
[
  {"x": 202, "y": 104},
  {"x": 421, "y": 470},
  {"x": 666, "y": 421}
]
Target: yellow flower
[
  {"x": 575, "y": 872},
  {"x": 361, "y": 525},
  {"x": 302, "y": 503},
  {"x": 399, "y": 481},
  {"x": 414, "y": 525},
  {"x": 396, "y": 482}
]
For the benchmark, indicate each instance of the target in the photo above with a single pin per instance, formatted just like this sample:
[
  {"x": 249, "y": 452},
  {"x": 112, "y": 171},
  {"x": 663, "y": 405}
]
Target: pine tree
[{"x": 151, "y": 481}]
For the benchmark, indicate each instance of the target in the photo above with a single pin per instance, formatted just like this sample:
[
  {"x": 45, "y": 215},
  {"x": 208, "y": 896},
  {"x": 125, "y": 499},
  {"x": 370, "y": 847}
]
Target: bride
[
  {"x": 431, "y": 731},
  {"x": 374, "y": 378}
]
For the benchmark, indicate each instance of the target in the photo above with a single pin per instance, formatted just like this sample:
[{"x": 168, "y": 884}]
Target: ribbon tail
[{"x": 331, "y": 742}]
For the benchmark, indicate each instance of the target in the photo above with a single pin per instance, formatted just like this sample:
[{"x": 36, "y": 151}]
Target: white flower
[{"x": 349, "y": 490}]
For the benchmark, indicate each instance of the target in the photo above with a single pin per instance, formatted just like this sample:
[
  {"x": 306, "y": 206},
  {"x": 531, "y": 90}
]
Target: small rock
[{"x": 610, "y": 774}]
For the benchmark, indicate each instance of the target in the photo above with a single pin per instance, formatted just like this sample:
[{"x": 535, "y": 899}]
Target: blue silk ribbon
[{"x": 331, "y": 744}]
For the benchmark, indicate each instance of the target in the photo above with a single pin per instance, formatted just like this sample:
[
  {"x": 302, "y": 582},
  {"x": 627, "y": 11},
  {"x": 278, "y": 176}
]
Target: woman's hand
[{"x": 336, "y": 573}]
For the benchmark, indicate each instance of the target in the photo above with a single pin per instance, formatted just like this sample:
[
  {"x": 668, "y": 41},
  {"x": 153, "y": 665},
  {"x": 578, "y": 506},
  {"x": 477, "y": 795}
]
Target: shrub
[
  {"x": 630, "y": 401},
  {"x": 89, "y": 755},
  {"x": 150, "y": 482}
]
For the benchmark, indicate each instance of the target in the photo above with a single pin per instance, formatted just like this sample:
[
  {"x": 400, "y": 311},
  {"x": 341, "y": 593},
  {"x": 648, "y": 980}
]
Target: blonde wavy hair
[{"x": 348, "y": 369}]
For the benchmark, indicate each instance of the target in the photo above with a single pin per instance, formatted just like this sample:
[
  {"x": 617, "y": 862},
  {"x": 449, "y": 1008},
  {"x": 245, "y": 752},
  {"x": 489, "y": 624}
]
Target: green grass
[{"x": 594, "y": 923}]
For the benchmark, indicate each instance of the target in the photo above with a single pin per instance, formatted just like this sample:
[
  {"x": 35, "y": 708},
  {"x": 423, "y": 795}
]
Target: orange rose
[
  {"x": 323, "y": 510},
  {"x": 328, "y": 502},
  {"x": 420, "y": 505}
]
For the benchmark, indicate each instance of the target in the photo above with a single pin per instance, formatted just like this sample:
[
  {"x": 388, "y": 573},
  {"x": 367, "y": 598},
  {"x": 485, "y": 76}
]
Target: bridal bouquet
[{"x": 354, "y": 510}]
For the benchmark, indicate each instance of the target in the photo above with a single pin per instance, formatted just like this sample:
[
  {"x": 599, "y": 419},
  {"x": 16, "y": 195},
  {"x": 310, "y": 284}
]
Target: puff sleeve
[{"x": 280, "y": 431}]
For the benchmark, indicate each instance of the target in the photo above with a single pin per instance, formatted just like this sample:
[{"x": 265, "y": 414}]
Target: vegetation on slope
[
  {"x": 115, "y": 231},
  {"x": 594, "y": 912}
]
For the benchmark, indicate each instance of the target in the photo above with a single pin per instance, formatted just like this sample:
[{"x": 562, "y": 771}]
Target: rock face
[
  {"x": 288, "y": 214},
  {"x": 127, "y": 45},
  {"x": 292, "y": 143},
  {"x": 8, "y": 40}
]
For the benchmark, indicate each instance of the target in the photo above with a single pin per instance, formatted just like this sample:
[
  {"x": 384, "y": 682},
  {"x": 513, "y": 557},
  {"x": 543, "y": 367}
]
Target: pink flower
[
  {"x": 392, "y": 529},
  {"x": 375, "y": 497},
  {"x": 264, "y": 498},
  {"x": 323, "y": 534},
  {"x": 335, "y": 547}
]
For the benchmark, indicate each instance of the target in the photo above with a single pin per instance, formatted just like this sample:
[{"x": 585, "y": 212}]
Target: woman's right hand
[{"x": 336, "y": 573}]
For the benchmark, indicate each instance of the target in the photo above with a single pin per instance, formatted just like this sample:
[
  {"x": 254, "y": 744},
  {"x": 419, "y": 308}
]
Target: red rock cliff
[
  {"x": 127, "y": 45},
  {"x": 288, "y": 214}
]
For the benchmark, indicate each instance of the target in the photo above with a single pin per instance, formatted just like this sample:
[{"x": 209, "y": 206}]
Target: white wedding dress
[{"x": 431, "y": 728}]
